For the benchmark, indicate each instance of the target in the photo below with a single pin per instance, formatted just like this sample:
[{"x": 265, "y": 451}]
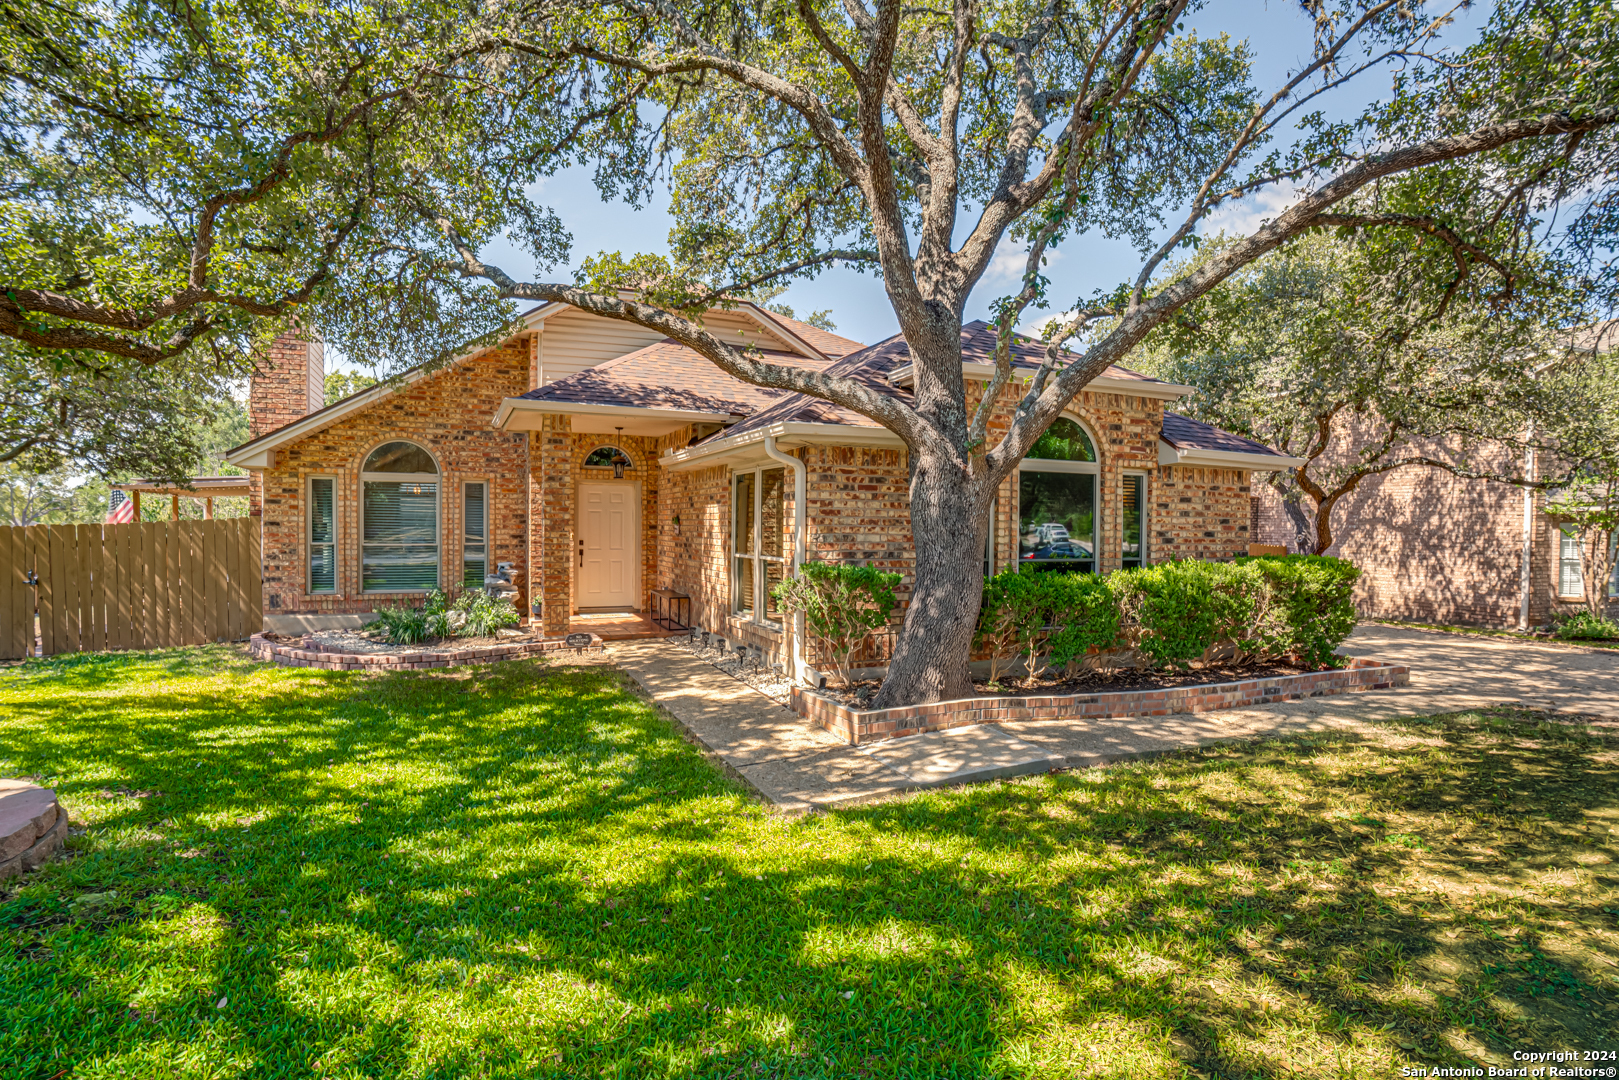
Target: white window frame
[
  {"x": 756, "y": 560},
  {"x": 309, "y": 544},
  {"x": 437, "y": 480},
  {"x": 1613, "y": 564},
  {"x": 1146, "y": 531},
  {"x": 1564, "y": 538},
  {"x": 1092, "y": 468},
  {"x": 487, "y": 547}
]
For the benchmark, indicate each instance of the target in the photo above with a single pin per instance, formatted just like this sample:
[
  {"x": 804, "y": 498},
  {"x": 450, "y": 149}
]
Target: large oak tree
[{"x": 915, "y": 141}]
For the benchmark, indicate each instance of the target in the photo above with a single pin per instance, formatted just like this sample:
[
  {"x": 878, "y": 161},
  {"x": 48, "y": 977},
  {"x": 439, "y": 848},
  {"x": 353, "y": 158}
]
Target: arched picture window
[
  {"x": 399, "y": 520},
  {"x": 1057, "y": 501}
]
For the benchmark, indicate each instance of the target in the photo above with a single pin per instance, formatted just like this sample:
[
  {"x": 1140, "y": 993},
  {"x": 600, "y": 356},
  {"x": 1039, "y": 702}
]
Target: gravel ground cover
[{"x": 521, "y": 870}]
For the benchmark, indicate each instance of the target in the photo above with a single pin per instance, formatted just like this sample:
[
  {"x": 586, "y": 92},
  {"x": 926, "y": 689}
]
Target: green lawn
[{"x": 521, "y": 871}]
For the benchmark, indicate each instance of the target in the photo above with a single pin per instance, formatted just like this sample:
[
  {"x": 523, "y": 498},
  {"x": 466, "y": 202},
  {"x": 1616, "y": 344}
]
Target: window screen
[
  {"x": 475, "y": 542},
  {"x": 1570, "y": 571},
  {"x": 322, "y": 534}
]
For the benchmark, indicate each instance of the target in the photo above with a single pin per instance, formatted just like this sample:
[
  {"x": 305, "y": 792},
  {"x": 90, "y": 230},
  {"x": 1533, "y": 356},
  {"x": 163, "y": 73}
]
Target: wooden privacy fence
[{"x": 143, "y": 585}]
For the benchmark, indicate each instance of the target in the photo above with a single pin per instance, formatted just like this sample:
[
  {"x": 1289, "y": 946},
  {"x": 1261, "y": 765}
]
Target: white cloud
[
  {"x": 1007, "y": 264},
  {"x": 1239, "y": 217}
]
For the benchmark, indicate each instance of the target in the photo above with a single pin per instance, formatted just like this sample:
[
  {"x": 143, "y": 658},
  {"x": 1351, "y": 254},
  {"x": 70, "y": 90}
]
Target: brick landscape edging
[
  {"x": 871, "y": 725},
  {"x": 298, "y": 656}
]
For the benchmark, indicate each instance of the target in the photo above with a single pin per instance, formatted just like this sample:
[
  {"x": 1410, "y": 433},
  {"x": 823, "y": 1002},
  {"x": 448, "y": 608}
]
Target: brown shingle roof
[
  {"x": 1184, "y": 433},
  {"x": 874, "y": 364},
  {"x": 667, "y": 375},
  {"x": 832, "y": 345}
]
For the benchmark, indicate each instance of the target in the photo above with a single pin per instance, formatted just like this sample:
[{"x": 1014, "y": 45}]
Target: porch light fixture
[{"x": 621, "y": 459}]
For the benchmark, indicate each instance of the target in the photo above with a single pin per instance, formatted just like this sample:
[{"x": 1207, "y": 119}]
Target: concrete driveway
[
  {"x": 1449, "y": 673},
  {"x": 1460, "y": 671},
  {"x": 799, "y": 767}
]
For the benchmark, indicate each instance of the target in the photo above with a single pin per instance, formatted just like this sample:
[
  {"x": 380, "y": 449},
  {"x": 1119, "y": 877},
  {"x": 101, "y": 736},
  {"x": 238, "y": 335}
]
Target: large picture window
[
  {"x": 322, "y": 534},
  {"x": 1057, "y": 501},
  {"x": 399, "y": 507},
  {"x": 475, "y": 534},
  {"x": 758, "y": 538}
]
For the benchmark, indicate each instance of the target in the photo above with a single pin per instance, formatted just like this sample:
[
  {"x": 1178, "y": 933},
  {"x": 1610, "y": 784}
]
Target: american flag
[{"x": 122, "y": 511}]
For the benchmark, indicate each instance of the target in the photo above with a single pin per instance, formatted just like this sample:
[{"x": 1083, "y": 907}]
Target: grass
[{"x": 522, "y": 871}]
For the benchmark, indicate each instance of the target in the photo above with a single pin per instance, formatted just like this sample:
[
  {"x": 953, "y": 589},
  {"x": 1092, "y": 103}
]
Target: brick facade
[
  {"x": 447, "y": 413},
  {"x": 557, "y": 468},
  {"x": 290, "y": 385},
  {"x": 1432, "y": 547},
  {"x": 857, "y": 497},
  {"x": 857, "y": 502}
]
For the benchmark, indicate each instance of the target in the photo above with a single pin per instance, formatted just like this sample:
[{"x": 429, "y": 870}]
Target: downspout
[
  {"x": 1525, "y": 577},
  {"x": 1525, "y": 574},
  {"x": 800, "y": 515}
]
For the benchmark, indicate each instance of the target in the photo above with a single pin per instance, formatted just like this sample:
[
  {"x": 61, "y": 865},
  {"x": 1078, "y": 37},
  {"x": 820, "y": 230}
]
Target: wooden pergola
[{"x": 206, "y": 488}]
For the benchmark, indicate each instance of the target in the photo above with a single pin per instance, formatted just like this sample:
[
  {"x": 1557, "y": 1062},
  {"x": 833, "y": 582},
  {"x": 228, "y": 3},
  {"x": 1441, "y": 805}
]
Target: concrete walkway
[{"x": 800, "y": 767}]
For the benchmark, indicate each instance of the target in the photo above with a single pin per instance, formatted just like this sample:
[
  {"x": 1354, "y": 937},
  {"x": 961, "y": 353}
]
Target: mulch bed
[
  {"x": 1098, "y": 683},
  {"x": 361, "y": 643}
]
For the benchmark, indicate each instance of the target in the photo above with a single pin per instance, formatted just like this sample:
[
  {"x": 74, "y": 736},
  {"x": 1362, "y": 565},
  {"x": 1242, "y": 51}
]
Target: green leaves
[
  {"x": 842, "y": 605},
  {"x": 1173, "y": 613}
]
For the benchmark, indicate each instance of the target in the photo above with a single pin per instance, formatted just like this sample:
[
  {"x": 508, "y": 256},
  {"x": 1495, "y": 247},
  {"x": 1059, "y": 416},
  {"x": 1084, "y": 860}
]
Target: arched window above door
[{"x": 604, "y": 457}]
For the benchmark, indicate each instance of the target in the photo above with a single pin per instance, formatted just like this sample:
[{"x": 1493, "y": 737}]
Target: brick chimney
[{"x": 291, "y": 384}]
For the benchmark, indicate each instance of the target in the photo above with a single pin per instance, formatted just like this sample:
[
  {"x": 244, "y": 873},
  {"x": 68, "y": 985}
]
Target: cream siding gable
[{"x": 571, "y": 341}]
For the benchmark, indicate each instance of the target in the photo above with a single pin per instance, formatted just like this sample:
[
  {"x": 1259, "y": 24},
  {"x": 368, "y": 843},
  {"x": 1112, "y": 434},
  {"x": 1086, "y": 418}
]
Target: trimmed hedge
[{"x": 1172, "y": 614}]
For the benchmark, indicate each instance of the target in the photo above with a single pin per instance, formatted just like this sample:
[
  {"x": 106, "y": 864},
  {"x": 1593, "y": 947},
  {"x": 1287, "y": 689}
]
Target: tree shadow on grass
[{"x": 518, "y": 870}]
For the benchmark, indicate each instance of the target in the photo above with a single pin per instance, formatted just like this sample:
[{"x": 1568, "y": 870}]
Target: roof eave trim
[
  {"x": 901, "y": 376},
  {"x": 1170, "y": 454},
  {"x": 789, "y": 433},
  {"x": 511, "y": 405}
]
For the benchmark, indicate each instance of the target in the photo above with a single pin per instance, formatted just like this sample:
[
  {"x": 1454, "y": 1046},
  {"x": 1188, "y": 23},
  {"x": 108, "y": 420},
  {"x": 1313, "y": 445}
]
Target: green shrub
[
  {"x": 1309, "y": 602},
  {"x": 407, "y": 626},
  {"x": 402, "y": 625},
  {"x": 1181, "y": 611},
  {"x": 1084, "y": 616},
  {"x": 1586, "y": 626},
  {"x": 1046, "y": 617},
  {"x": 1172, "y": 614},
  {"x": 484, "y": 614},
  {"x": 842, "y": 604}
]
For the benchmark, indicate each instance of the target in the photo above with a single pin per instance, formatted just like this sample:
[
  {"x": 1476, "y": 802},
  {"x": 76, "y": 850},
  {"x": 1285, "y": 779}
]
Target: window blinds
[
  {"x": 400, "y": 547},
  {"x": 322, "y": 534},
  {"x": 475, "y": 526}
]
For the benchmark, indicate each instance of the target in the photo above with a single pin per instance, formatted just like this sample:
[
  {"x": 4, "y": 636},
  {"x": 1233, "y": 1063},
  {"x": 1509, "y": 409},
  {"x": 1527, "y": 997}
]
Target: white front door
[{"x": 609, "y": 545}]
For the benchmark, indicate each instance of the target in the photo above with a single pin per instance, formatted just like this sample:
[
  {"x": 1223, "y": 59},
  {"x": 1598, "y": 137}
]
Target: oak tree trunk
[{"x": 949, "y": 525}]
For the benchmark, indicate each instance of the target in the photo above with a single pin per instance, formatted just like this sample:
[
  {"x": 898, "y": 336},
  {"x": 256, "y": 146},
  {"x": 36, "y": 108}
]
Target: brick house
[
  {"x": 1433, "y": 547},
  {"x": 602, "y": 462}
]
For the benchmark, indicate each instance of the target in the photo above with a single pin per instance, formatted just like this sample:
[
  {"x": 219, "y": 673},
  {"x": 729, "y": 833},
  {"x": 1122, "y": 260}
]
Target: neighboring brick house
[
  {"x": 1433, "y": 547},
  {"x": 602, "y": 462}
]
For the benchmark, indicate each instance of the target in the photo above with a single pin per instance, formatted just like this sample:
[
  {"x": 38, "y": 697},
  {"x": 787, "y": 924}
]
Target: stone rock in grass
[{"x": 32, "y": 826}]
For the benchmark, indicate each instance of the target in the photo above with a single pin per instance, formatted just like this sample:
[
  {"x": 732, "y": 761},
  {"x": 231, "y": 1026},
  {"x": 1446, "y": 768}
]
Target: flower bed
[
  {"x": 327, "y": 658},
  {"x": 871, "y": 725}
]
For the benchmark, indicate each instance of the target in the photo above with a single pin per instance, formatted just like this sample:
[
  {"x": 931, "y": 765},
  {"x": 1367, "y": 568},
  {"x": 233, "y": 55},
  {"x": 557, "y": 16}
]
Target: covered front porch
[{"x": 619, "y": 626}]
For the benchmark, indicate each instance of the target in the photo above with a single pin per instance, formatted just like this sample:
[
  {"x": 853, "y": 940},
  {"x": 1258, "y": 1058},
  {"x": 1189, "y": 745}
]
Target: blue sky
[{"x": 1282, "y": 38}]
